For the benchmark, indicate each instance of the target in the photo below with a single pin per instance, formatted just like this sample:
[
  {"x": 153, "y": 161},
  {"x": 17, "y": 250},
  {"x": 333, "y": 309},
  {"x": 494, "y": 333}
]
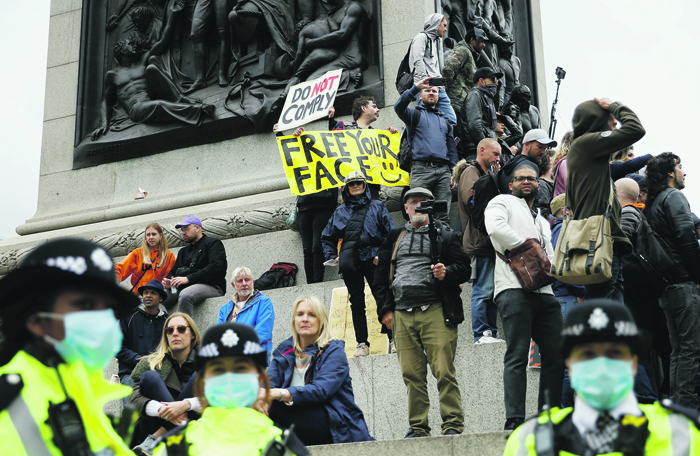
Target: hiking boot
[
  {"x": 452, "y": 432},
  {"x": 392, "y": 346},
  {"x": 147, "y": 446},
  {"x": 487, "y": 338},
  {"x": 411, "y": 434},
  {"x": 512, "y": 424},
  {"x": 362, "y": 349}
]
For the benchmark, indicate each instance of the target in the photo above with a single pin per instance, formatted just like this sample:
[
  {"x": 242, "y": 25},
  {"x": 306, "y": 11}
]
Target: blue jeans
[
  {"x": 126, "y": 381},
  {"x": 443, "y": 105},
  {"x": 612, "y": 288},
  {"x": 567, "y": 303},
  {"x": 484, "y": 311}
]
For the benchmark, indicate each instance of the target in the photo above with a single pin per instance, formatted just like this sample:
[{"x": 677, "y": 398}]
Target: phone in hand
[{"x": 436, "y": 81}]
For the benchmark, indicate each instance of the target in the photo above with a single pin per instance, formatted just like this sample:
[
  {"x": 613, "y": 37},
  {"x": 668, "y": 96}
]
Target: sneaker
[
  {"x": 452, "y": 432},
  {"x": 147, "y": 446},
  {"x": 362, "y": 349},
  {"x": 411, "y": 434},
  {"x": 512, "y": 424},
  {"x": 487, "y": 338},
  {"x": 392, "y": 346}
]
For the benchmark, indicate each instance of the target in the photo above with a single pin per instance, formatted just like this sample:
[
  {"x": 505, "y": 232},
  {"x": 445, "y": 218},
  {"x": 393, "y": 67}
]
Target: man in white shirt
[{"x": 510, "y": 221}]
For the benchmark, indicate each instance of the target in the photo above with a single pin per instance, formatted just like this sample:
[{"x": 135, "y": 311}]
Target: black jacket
[
  {"x": 478, "y": 117},
  {"x": 142, "y": 333},
  {"x": 323, "y": 200},
  {"x": 670, "y": 216},
  {"x": 206, "y": 260},
  {"x": 458, "y": 270}
]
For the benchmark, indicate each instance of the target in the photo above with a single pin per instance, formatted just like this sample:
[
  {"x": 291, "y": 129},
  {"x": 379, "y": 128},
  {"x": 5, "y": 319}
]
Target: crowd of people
[{"x": 600, "y": 381}]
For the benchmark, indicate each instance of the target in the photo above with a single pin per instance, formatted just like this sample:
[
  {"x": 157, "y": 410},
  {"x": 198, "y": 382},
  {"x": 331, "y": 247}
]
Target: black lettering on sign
[
  {"x": 308, "y": 142},
  {"x": 364, "y": 167},
  {"x": 299, "y": 178},
  {"x": 287, "y": 149},
  {"x": 322, "y": 173},
  {"x": 339, "y": 137},
  {"x": 366, "y": 146},
  {"x": 384, "y": 142},
  {"x": 337, "y": 165},
  {"x": 325, "y": 137},
  {"x": 286, "y": 119},
  {"x": 356, "y": 137}
]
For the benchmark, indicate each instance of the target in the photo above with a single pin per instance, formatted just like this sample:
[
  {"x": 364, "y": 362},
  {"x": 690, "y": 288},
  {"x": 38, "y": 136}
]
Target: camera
[
  {"x": 432, "y": 207},
  {"x": 560, "y": 73},
  {"x": 436, "y": 82}
]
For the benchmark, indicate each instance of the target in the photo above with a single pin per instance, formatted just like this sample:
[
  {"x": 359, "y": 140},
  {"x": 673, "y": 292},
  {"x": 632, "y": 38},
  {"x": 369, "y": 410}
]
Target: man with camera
[
  {"x": 417, "y": 289},
  {"x": 200, "y": 269},
  {"x": 60, "y": 330},
  {"x": 532, "y": 314}
]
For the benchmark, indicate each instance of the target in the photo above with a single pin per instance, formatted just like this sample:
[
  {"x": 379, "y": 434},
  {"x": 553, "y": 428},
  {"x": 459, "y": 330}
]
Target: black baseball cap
[{"x": 486, "y": 72}]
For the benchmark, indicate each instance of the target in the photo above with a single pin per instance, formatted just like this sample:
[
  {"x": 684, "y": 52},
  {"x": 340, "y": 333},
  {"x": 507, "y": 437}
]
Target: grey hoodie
[{"x": 423, "y": 60}]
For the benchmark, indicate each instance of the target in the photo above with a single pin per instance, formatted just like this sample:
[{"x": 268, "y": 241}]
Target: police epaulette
[
  {"x": 10, "y": 387},
  {"x": 692, "y": 414}
]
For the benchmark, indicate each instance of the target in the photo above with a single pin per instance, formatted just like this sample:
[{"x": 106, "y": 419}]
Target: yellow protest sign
[
  {"x": 317, "y": 160},
  {"x": 343, "y": 328}
]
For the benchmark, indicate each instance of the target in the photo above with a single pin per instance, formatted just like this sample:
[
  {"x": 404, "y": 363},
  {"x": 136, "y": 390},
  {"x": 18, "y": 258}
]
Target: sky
[{"x": 638, "y": 52}]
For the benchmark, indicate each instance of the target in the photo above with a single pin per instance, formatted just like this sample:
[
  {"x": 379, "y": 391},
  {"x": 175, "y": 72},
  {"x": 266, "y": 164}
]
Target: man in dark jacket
[
  {"x": 142, "y": 329},
  {"x": 479, "y": 111},
  {"x": 362, "y": 224},
  {"x": 588, "y": 183},
  {"x": 535, "y": 145},
  {"x": 434, "y": 151},
  {"x": 199, "y": 271},
  {"x": 669, "y": 215},
  {"x": 420, "y": 300},
  {"x": 459, "y": 69}
]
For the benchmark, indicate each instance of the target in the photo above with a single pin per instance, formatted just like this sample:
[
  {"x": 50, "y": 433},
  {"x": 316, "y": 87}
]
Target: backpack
[
  {"x": 406, "y": 145},
  {"x": 280, "y": 275},
  {"x": 650, "y": 261},
  {"x": 404, "y": 77},
  {"x": 484, "y": 190}
]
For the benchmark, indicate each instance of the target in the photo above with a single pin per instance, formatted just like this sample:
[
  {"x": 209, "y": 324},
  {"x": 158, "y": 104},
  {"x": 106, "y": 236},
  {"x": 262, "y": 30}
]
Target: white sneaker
[
  {"x": 487, "y": 338},
  {"x": 362, "y": 350},
  {"x": 147, "y": 446},
  {"x": 392, "y": 346}
]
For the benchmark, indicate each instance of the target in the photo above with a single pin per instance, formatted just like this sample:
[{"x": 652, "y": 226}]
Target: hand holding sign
[{"x": 309, "y": 101}]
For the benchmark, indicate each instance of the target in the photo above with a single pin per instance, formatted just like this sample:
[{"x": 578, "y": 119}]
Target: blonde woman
[
  {"x": 152, "y": 261},
  {"x": 163, "y": 383},
  {"x": 230, "y": 375},
  {"x": 560, "y": 164},
  {"x": 310, "y": 379}
]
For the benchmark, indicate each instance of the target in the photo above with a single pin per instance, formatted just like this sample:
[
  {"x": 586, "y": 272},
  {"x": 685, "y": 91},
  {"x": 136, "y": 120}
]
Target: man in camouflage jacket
[{"x": 460, "y": 67}]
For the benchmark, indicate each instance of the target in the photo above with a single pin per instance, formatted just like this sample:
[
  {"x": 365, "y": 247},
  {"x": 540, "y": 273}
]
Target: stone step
[{"x": 482, "y": 444}]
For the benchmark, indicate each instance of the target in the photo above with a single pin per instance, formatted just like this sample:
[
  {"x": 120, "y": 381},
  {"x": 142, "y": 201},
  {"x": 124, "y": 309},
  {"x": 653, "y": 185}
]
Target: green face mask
[{"x": 602, "y": 382}]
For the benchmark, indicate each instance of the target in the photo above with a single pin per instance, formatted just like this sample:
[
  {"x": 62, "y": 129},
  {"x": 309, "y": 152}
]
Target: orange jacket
[{"x": 132, "y": 266}]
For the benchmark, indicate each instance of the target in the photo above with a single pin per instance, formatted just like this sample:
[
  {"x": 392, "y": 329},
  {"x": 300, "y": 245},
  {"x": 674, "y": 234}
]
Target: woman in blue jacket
[
  {"x": 311, "y": 384},
  {"x": 249, "y": 307}
]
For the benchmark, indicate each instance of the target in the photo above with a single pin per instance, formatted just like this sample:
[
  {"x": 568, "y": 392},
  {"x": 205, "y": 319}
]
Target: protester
[
  {"x": 535, "y": 145},
  {"x": 200, "y": 269},
  {"x": 249, "y": 307},
  {"x": 310, "y": 381},
  {"x": 589, "y": 185},
  {"x": 230, "y": 376},
  {"x": 59, "y": 332},
  {"x": 669, "y": 215},
  {"x": 544, "y": 195},
  {"x": 479, "y": 111},
  {"x": 142, "y": 329},
  {"x": 152, "y": 261},
  {"x": 362, "y": 224},
  {"x": 163, "y": 383},
  {"x": 459, "y": 69},
  {"x": 600, "y": 342},
  {"x": 508, "y": 139},
  {"x": 420, "y": 300},
  {"x": 621, "y": 164},
  {"x": 526, "y": 315},
  {"x": 560, "y": 164}
]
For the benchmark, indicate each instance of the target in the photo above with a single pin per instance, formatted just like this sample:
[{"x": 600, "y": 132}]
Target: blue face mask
[
  {"x": 92, "y": 336},
  {"x": 603, "y": 383},
  {"x": 231, "y": 390}
]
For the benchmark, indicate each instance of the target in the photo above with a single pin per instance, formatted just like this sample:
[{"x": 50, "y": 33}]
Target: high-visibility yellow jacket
[
  {"x": 669, "y": 434},
  {"x": 23, "y": 421},
  {"x": 223, "y": 432}
]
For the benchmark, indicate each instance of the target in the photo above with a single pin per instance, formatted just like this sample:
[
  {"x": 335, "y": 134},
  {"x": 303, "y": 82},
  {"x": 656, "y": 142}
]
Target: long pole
[{"x": 552, "y": 120}]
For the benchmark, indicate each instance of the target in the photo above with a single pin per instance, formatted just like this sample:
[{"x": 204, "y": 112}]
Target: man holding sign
[{"x": 433, "y": 145}]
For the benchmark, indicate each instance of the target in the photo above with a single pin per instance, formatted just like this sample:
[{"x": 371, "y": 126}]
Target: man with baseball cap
[
  {"x": 420, "y": 300},
  {"x": 142, "y": 329},
  {"x": 362, "y": 223},
  {"x": 601, "y": 342},
  {"x": 478, "y": 113},
  {"x": 199, "y": 271},
  {"x": 58, "y": 319},
  {"x": 535, "y": 144},
  {"x": 459, "y": 69}
]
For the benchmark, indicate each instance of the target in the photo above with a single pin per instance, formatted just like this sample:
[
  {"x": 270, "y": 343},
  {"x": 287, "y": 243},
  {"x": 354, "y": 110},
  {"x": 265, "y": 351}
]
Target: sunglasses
[
  {"x": 356, "y": 183},
  {"x": 181, "y": 329}
]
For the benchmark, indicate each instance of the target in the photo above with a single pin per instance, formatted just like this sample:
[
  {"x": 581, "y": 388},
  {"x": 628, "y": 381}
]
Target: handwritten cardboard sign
[{"x": 309, "y": 101}]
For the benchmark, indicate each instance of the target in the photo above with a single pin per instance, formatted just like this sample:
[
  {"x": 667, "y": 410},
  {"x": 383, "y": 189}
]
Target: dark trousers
[
  {"x": 613, "y": 288},
  {"x": 355, "y": 283},
  {"x": 311, "y": 423},
  {"x": 528, "y": 315},
  {"x": 311, "y": 225},
  {"x": 153, "y": 387}
]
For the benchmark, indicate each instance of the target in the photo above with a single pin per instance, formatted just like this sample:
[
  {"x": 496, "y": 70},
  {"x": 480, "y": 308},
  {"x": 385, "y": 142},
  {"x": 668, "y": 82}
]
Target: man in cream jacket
[{"x": 510, "y": 220}]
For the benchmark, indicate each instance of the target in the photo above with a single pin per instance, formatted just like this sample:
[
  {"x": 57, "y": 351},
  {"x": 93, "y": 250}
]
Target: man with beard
[
  {"x": 479, "y": 111},
  {"x": 460, "y": 67},
  {"x": 200, "y": 269},
  {"x": 420, "y": 300},
  {"x": 525, "y": 314},
  {"x": 535, "y": 145}
]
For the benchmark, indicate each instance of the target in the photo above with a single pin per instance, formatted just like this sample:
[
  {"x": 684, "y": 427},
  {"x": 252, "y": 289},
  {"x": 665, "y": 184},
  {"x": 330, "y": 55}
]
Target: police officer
[
  {"x": 58, "y": 313},
  {"x": 600, "y": 342}
]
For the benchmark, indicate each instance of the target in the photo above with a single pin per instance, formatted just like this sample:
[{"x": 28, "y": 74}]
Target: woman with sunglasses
[
  {"x": 152, "y": 261},
  {"x": 230, "y": 381},
  {"x": 362, "y": 224},
  {"x": 163, "y": 383},
  {"x": 311, "y": 384}
]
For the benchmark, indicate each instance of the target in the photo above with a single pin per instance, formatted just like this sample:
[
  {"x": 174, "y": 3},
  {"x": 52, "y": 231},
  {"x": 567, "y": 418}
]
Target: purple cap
[{"x": 189, "y": 220}]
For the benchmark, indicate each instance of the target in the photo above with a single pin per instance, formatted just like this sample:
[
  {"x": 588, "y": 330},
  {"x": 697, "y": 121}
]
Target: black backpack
[
  {"x": 406, "y": 145},
  {"x": 404, "y": 77},
  {"x": 280, "y": 275},
  {"x": 650, "y": 262},
  {"x": 484, "y": 190}
]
